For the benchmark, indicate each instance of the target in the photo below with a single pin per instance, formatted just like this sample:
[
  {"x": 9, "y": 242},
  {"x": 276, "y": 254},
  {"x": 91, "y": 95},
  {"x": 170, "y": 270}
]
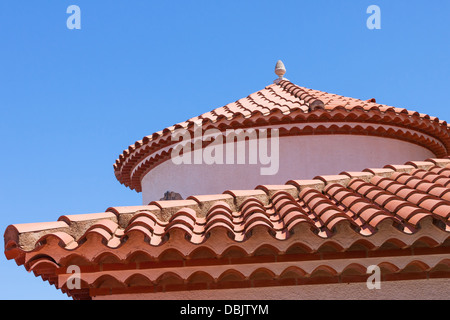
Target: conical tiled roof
[{"x": 286, "y": 103}]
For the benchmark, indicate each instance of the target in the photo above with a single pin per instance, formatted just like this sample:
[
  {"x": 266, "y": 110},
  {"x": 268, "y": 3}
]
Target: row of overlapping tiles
[
  {"x": 255, "y": 275},
  {"x": 406, "y": 197},
  {"x": 117, "y": 282}
]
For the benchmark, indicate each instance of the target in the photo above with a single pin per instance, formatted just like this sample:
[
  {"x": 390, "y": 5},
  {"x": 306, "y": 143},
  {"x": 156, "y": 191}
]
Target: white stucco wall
[{"x": 300, "y": 157}]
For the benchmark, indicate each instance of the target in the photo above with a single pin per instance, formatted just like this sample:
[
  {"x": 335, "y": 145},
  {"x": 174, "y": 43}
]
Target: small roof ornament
[{"x": 280, "y": 70}]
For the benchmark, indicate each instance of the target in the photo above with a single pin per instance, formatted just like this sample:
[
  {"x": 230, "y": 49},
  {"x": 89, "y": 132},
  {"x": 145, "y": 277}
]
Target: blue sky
[{"x": 72, "y": 100}]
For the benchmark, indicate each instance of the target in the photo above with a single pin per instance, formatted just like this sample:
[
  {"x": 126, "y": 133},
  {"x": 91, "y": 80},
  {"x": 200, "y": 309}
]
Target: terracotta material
[{"x": 253, "y": 238}]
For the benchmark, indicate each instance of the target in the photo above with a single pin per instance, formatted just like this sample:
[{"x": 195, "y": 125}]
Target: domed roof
[{"x": 284, "y": 102}]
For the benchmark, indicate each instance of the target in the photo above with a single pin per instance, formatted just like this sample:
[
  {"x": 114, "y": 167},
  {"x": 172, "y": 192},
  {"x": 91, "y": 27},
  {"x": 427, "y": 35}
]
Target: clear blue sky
[{"x": 72, "y": 100}]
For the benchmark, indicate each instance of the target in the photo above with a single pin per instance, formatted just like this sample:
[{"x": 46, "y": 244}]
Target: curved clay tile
[{"x": 380, "y": 212}]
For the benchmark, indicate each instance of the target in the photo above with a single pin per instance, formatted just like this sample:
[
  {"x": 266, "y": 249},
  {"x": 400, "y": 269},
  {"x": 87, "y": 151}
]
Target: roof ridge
[
  {"x": 290, "y": 87},
  {"x": 312, "y": 101}
]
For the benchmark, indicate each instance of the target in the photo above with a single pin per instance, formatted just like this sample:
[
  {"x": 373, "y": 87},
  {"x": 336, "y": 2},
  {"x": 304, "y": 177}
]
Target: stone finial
[{"x": 280, "y": 70}]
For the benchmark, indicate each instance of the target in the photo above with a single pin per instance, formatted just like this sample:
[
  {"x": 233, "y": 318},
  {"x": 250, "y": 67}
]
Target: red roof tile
[{"x": 402, "y": 205}]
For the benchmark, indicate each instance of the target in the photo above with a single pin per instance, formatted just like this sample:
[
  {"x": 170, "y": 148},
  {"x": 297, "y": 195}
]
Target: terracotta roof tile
[
  {"x": 440, "y": 162},
  {"x": 384, "y": 172},
  {"x": 241, "y": 196},
  {"x": 302, "y": 184},
  {"x": 271, "y": 190},
  {"x": 403, "y": 195},
  {"x": 331, "y": 179}
]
